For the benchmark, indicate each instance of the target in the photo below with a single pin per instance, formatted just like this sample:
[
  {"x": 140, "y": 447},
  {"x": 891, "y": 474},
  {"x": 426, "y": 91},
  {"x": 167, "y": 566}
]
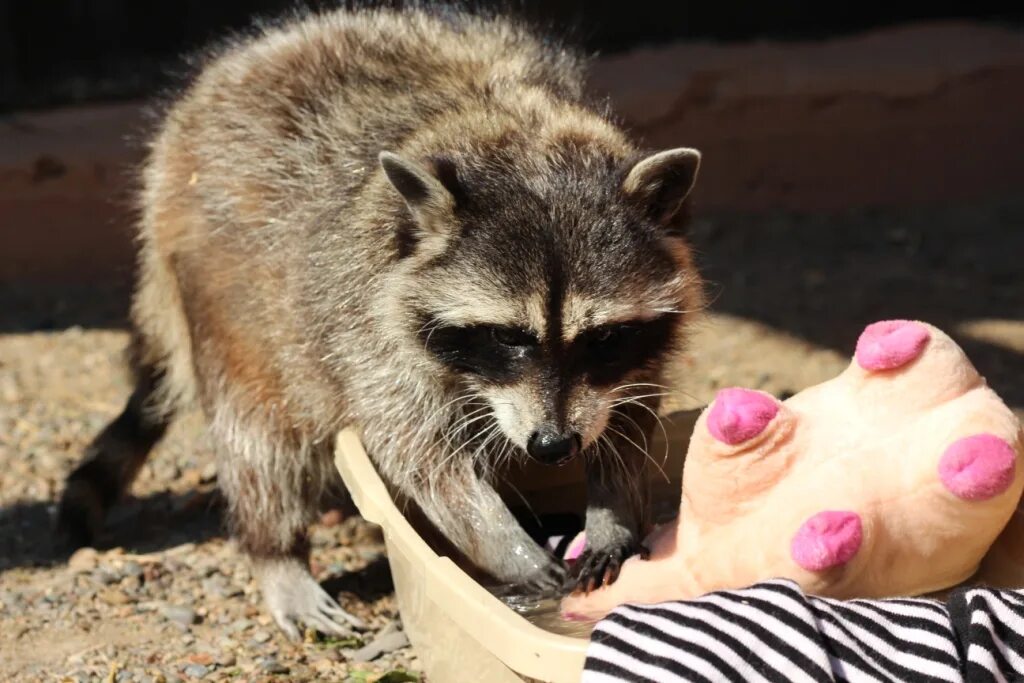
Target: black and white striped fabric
[{"x": 772, "y": 631}]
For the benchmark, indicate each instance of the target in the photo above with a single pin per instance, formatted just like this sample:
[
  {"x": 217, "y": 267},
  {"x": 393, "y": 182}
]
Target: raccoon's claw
[
  {"x": 597, "y": 568},
  {"x": 548, "y": 580}
]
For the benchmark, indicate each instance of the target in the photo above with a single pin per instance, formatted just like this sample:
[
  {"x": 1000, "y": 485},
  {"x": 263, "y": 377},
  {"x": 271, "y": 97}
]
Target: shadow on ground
[
  {"x": 369, "y": 584},
  {"x": 822, "y": 278},
  {"x": 139, "y": 525},
  {"x": 152, "y": 524}
]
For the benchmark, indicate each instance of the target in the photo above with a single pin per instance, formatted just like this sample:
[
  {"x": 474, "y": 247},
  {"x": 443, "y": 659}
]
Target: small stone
[
  {"x": 384, "y": 643},
  {"x": 132, "y": 568},
  {"x": 104, "y": 577},
  {"x": 261, "y": 636},
  {"x": 113, "y": 596},
  {"x": 272, "y": 666},
  {"x": 208, "y": 473},
  {"x": 131, "y": 584},
  {"x": 192, "y": 477},
  {"x": 218, "y": 587},
  {"x": 185, "y": 616},
  {"x": 195, "y": 671},
  {"x": 324, "y": 665},
  {"x": 84, "y": 560},
  {"x": 332, "y": 518},
  {"x": 240, "y": 625},
  {"x": 204, "y": 658}
]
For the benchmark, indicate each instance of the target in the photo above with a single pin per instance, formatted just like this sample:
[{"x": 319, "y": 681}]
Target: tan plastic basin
[{"x": 460, "y": 631}]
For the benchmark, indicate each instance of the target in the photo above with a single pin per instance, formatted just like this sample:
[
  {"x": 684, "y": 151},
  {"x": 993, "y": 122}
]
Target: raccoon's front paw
[
  {"x": 294, "y": 599},
  {"x": 597, "y": 567},
  {"x": 548, "y": 580}
]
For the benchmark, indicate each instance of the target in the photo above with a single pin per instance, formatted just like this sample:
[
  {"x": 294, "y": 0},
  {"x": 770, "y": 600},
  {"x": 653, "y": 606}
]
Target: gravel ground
[{"x": 167, "y": 598}]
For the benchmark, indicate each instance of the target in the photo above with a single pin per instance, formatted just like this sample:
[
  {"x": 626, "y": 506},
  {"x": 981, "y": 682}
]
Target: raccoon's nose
[{"x": 552, "y": 448}]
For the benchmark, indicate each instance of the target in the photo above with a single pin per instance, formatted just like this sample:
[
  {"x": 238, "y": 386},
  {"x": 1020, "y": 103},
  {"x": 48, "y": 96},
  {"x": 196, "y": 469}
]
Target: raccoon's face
[{"x": 554, "y": 293}]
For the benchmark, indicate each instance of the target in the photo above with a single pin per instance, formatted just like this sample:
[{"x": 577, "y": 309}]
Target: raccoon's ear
[
  {"x": 424, "y": 189},
  {"x": 662, "y": 182}
]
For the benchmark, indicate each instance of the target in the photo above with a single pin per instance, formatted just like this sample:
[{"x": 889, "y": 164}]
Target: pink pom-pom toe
[
  {"x": 978, "y": 467},
  {"x": 828, "y": 539},
  {"x": 891, "y": 344},
  {"x": 739, "y": 415}
]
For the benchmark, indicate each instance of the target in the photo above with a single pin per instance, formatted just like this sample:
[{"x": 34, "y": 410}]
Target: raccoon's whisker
[
  {"x": 487, "y": 436},
  {"x": 647, "y": 455},
  {"x": 613, "y": 430},
  {"x": 433, "y": 324},
  {"x": 640, "y": 430},
  {"x": 529, "y": 508},
  {"x": 459, "y": 427},
  {"x": 446, "y": 435},
  {"x": 505, "y": 456},
  {"x": 628, "y": 399},
  {"x": 493, "y": 433},
  {"x": 676, "y": 311},
  {"x": 671, "y": 390},
  {"x": 702, "y": 306},
  {"x": 452, "y": 435},
  {"x": 653, "y": 393},
  {"x": 618, "y": 462},
  {"x": 478, "y": 408},
  {"x": 465, "y": 396},
  {"x": 463, "y": 422},
  {"x": 661, "y": 425},
  {"x": 636, "y": 425},
  {"x": 640, "y": 384},
  {"x": 462, "y": 447}
]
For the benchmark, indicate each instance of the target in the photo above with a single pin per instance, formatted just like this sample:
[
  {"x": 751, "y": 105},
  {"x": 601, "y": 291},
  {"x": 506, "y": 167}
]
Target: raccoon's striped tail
[{"x": 111, "y": 462}]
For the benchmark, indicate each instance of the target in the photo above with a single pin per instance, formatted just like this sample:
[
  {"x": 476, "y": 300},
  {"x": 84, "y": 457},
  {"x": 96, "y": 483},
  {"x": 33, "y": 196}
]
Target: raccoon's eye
[
  {"x": 511, "y": 336},
  {"x": 609, "y": 335}
]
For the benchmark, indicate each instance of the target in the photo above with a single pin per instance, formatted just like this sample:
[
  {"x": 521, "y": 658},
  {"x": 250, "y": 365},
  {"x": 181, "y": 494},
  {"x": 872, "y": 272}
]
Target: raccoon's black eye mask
[
  {"x": 605, "y": 354},
  {"x": 497, "y": 354},
  {"x": 504, "y": 355}
]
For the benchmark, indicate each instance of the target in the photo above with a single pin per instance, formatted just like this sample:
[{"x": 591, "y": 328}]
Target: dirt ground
[{"x": 166, "y": 597}]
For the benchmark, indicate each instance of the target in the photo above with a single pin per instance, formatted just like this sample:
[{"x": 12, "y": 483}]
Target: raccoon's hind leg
[
  {"x": 273, "y": 485},
  {"x": 112, "y": 460}
]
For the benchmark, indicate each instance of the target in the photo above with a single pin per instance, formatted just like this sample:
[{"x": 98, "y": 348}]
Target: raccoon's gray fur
[{"x": 414, "y": 224}]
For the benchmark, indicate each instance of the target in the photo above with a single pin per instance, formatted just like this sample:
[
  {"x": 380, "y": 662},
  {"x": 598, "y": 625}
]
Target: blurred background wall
[
  {"x": 812, "y": 109},
  {"x": 55, "y": 52}
]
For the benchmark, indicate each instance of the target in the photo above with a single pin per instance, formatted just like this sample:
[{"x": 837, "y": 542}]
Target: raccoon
[{"x": 415, "y": 223}]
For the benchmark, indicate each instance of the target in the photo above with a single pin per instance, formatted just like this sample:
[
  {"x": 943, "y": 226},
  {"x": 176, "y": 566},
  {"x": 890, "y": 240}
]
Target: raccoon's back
[{"x": 304, "y": 109}]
